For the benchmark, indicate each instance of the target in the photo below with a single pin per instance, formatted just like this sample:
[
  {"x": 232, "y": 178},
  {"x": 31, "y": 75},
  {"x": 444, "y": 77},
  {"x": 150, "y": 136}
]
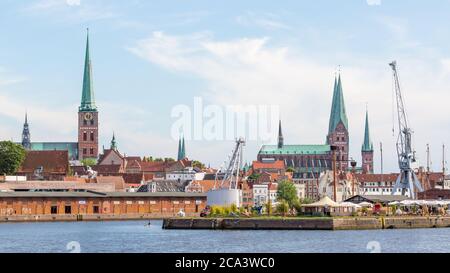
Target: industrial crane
[
  {"x": 231, "y": 174},
  {"x": 407, "y": 179}
]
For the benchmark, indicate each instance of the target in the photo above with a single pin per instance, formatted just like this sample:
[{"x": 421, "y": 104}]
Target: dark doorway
[{"x": 96, "y": 209}]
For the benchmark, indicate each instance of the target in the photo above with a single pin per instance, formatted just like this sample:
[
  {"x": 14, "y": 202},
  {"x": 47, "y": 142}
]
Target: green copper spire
[
  {"x": 113, "y": 142},
  {"x": 338, "y": 113},
  {"x": 367, "y": 145},
  {"x": 87, "y": 98},
  {"x": 179, "y": 149},
  {"x": 183, "y": 150}
]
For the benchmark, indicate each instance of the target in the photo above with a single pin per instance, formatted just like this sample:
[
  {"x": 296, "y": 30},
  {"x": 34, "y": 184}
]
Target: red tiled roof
[
  {"x": 117, "y": 180},
  {"x": 153, "y": 166},
  {"x": 279, "y": 165},
  {"x": 376, "y": 177},
  {"x": 51, "y": 161},
  {"x": 107, "y": 169},
  {"x": 133, "y": 178}
]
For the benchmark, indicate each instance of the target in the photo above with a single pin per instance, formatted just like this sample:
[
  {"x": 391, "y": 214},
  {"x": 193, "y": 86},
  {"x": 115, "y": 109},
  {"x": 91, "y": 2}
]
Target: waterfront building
[
  {"x": 99, "y": 205},
  {"x": 309, "y": 161},
  {"x": 262, "y": 193}
]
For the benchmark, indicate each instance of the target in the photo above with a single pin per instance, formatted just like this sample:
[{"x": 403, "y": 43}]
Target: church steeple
[
  {"x": 280, "y": 137},
  {"x": 338, "y": 113},
  {"x": 87, "y": 98},
  {"x": 26, "y": 138},
  {"x": 367, "y": 144},
  {"x": 179, "y": 149},
  {"x": 183, "y": 149},
  {"x": 113, "y": 142}
]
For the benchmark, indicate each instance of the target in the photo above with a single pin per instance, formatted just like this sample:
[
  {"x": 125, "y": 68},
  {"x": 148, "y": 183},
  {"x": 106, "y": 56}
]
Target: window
[
  {"x": 68, "y": 209},
  {"x": 84, "y": 136},
  {"x": 84, "y": 122},
  {"x": 84, "y": 151},
  {"x": 92, "y": 121},
  {"x": 96, "y": 210},
  {"x": 91, "y": 151},
  {"x": 54, "y": 210},
  {"x": 92, "y": 136}
]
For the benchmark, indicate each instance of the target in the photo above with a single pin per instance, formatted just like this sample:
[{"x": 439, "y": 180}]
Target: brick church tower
[
  {"x": 367, "y": 149},
  {"x": 87, "y": 114},
  {"x": 338, "y": 129}
]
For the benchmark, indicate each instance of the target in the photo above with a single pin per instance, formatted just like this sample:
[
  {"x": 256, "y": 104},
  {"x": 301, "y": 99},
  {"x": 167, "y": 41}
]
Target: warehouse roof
[{"x": 87, "y": 194}]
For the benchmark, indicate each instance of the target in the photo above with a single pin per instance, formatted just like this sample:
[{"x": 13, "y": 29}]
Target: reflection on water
[{"x": 137, "y": 236}]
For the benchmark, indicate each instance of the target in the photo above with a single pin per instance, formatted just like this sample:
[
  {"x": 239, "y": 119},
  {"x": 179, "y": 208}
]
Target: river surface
[{"x": 135, "y": 236}]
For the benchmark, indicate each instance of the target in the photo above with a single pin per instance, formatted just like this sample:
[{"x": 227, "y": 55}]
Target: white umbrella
[
  {"x": 366, "y": 204},
  {"x": 395, "y": 203}
]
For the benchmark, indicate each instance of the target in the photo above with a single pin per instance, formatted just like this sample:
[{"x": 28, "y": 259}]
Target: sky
[{"x": 150, "y": 57}]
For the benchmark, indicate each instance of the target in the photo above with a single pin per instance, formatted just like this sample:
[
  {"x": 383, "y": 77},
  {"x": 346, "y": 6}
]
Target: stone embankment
[{"x": 359, "y": 223}]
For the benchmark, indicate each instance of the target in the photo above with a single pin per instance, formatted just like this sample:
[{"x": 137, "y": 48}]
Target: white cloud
[
  {"x": 251, "y": 71},
  {"x": 266, "y": 21}
]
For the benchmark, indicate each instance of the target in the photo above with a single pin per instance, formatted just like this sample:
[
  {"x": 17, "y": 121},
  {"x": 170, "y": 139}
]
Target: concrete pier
[{"x": 362, "y": 223}]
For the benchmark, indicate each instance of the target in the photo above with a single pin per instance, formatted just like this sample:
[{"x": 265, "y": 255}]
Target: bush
[
  {"x": 283, "y": 208},
  {"x": 216, "y": 210},
  {"x": 233, "y": 208},
  {"x": 269, "y": 209},
  {"x": 241, "y": 210},
  {"x": 297, "y": 205},
  {"x": 226, "y": 211}
]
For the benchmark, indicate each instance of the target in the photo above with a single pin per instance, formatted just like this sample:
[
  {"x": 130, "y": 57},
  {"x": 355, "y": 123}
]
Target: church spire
[
  {"x": 183, "y": 149},
  {"x": 113, "y": 142},
  {"x": 87, "y": 98},
  {"x": 179, "y": 149},
  {"x": 280, "y": 137},
  {"x": 367, "y": 145},
  {"x": 26, "y": 138},
  {"x": 338, "y": 113}
]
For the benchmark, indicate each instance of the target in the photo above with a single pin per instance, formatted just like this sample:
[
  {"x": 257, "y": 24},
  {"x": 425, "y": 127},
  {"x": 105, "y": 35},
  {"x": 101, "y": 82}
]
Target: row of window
[
  {"x": 91, "y": 151},
  {"x": 91, "y": 136}
]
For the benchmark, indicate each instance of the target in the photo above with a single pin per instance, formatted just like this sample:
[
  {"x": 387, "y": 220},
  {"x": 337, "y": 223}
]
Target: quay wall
[
  {"x": 360, "y": 223},
  {"x": 84, "y": 217}
]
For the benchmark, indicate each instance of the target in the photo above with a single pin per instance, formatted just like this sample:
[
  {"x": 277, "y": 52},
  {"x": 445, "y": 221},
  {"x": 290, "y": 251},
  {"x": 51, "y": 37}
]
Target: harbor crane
[
  {"x": 407, "y": 179},
  {"x": 234, "y": 165}
]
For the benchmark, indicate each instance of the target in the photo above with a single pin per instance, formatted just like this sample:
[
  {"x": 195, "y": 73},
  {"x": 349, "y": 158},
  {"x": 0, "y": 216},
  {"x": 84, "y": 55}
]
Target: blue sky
[{"x": 149, "y": 56}]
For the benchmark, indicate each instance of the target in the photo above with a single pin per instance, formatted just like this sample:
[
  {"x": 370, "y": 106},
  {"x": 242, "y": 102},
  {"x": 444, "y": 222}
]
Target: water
[{"x": 134, "y": 236}]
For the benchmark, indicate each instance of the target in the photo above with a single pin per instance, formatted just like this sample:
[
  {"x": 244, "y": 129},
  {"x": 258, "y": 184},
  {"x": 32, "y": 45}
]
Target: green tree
[
  {"x": 89, "y": 162},
  {"x": 198, "y": 164},
  {"x": 290, "y": 170},
  {"x": 11, "y": 157},
  {"x": 254, "y": 176},
  {"x": 283, "y": 208},
  {"x": 287, "y": 192}
]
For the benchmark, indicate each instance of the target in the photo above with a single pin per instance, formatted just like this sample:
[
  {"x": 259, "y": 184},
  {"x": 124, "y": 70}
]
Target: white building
[
  {"x": 261, "y": 194},
  {"x": 346, "y": 186},
  {"x": 188, "y": 174},
  {"x": 301, "y": 190}
]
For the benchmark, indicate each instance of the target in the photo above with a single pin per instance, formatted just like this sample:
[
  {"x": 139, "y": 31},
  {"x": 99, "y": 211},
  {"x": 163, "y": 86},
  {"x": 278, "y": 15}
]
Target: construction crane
[{"x": 407, "y": 179}]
